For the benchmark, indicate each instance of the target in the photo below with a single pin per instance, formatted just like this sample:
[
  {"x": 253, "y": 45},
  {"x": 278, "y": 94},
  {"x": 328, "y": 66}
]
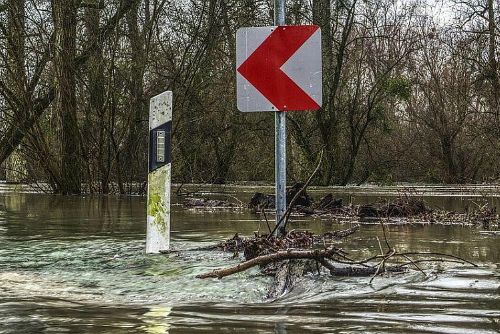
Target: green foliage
[{"x": 398, "y": 87}]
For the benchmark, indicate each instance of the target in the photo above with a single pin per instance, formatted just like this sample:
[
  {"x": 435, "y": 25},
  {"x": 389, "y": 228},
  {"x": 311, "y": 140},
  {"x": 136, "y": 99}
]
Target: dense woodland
[{"x": 411, "y": 93}]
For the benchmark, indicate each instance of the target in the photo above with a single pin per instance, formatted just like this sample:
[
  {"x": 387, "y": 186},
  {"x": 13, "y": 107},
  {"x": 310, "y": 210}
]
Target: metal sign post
[
  {"x": 280, "y": 138},
  {"x": 159, "y": 177},
  {"x": 278, "y": 69}
]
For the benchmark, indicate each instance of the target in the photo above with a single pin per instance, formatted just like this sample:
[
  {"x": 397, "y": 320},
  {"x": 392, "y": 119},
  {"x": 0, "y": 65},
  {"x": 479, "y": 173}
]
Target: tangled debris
[
  {"x": 265, "y": 244},
  {"x": 329, "y": 205},
  {"x": 209, "y": 203},
  {"x": 405, "y": 208},
  {"x": 401, "y": 207},
  {"x": 301, "y": 252},
  {"x": 260, "y": 201},
  {"x": 288, "y": 255}
]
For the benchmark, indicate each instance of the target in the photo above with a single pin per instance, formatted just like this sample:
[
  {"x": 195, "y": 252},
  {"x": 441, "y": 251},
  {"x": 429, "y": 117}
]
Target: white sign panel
[{"x": 279, "y": 68}]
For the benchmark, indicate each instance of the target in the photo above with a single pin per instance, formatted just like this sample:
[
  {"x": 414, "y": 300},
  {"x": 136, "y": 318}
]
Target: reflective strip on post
[{"x": 159, "y": 177}]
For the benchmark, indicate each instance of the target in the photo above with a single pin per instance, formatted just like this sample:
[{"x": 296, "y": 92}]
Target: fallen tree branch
[
  {"x": 365, "y": 271},
  {"x": 266, "y": 259},
  {"x": 280, "y": 228},
  {"x": 271, "y": 253},
  {"x": 376, "y": 257},
  {"x": 437, "y": 254},
  {"x": 340, "y": 234},
  {"x": 267, "y": 221},
  {"x": 381, "y": 265},
  {"x": 414, "y": 264}
]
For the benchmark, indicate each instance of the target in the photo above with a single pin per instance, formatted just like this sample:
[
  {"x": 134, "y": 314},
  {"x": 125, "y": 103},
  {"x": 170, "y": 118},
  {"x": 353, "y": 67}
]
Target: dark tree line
[{"x": 408, "y": 96}]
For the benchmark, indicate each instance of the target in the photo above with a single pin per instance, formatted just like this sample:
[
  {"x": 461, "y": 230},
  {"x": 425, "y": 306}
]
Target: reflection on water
[
  {"x": 156, "y": 320},
  {"x": 76, "y": 265}
]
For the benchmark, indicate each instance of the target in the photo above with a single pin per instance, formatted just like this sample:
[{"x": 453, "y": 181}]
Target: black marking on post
[{"x": 154, "y": 164}]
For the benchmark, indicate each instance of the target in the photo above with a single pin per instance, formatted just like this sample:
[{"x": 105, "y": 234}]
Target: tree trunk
[
  {"x": 447, "y": 148},
  {"x": 15, "y": 133},
  {"x": 133, "y": 156},
  {"x": 64, "y": 16},
  {"x": 15, "y": 165},
  {"x": 96, "y": 111},
  {"x": 493, "y": 64},
  {"x": 328, "y": 118},
  {"x": 15, "y": 51},
  {"x": 322, "y": 17}
]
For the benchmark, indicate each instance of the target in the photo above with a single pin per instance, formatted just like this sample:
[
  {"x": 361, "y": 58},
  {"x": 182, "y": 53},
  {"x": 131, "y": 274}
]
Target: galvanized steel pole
[{"x": 280, "y": 138}]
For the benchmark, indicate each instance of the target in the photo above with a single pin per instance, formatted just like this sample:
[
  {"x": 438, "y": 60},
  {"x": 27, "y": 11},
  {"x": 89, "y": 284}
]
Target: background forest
[{"x": 411, "y": 92}]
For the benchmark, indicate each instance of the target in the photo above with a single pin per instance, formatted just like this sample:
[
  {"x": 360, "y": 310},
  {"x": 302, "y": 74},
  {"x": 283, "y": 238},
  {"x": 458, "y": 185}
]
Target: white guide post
[{"x": 160, "y": 170}]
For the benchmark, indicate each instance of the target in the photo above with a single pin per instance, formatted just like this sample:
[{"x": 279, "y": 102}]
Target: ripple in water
[{"x": 81, "y": 271}]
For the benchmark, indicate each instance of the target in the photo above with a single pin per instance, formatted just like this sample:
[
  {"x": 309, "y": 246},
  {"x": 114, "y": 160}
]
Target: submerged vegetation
[{"x": 409, "y": 95}]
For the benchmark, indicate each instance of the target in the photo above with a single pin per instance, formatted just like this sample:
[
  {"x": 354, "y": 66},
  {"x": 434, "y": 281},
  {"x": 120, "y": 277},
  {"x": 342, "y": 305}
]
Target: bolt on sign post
[
  {"x": 159, "y": 177},
  {"x": 279, "y": 69}
]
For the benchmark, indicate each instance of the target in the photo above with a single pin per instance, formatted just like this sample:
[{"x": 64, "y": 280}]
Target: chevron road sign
[{"x": 279, "y": 68}]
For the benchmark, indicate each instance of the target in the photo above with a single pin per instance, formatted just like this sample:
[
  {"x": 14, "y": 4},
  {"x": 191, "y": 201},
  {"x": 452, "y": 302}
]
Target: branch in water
[{"x": 266, "y": 259}]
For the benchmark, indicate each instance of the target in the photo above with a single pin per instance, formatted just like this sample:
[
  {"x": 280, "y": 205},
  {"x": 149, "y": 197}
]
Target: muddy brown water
[{"x": 76, "y": 265}]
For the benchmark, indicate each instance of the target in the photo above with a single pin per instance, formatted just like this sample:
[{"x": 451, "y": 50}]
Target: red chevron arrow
[{"x": 263, "y": 68}]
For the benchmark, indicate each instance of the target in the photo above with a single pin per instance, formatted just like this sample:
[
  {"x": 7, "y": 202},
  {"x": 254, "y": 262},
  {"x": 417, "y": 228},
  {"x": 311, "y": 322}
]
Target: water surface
[{"x": 77, "y": 265}]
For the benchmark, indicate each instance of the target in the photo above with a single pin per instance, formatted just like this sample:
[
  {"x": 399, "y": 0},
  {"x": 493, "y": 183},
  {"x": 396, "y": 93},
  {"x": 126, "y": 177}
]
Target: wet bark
[
  {"x": 287, "y": 275},
  {"x": 16, "y": 165},
  {"x": 271, "y": 258},
  {"x": 96, "y": 106},
  {"x": 64, "y": 16},
  {"x": 327, "y": 119},
  {"x": 493, "y": 63},
  {"x": 136, "y": 88}
]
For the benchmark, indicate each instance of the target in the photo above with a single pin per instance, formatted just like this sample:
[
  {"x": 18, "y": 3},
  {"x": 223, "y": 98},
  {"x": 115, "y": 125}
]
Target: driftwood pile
[
  {"x": 301, "y": 252},
  {"x": 404, "y": 206},
  {"x": 209, "y": 203},
  {"x": 403, "y": 209},
  {"x": 409, "y": 208},
  {"x": 288, "y": 255}
]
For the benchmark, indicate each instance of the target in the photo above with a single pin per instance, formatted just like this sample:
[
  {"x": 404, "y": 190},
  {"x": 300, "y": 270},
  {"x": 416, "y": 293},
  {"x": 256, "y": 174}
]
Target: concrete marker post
[{"x": 160, "y": 170}]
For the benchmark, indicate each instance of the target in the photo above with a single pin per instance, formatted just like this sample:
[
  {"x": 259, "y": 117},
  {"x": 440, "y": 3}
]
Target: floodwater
[{"x": 77, "y": 265}]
